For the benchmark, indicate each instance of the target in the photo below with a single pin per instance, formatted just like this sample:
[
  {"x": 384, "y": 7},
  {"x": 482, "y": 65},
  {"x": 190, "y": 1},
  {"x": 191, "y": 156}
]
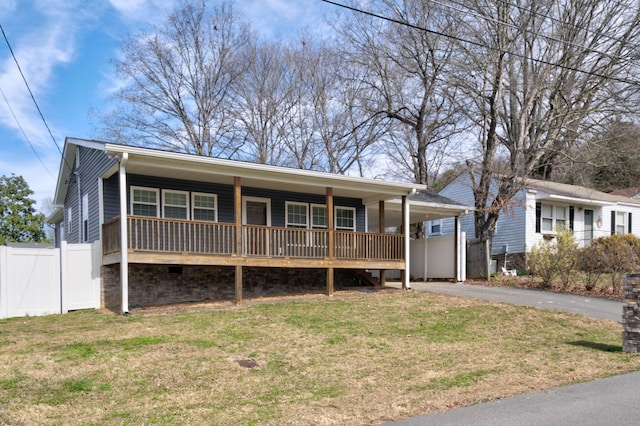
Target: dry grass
[{"x": 356, "y": 358}]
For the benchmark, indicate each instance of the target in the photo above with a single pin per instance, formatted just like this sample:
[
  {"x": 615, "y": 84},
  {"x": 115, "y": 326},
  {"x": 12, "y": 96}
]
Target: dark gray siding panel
[
  {"x": 226, "y": 201},
  {"x": 92, "y": 164},
  {"x": 111, "y": 198}
]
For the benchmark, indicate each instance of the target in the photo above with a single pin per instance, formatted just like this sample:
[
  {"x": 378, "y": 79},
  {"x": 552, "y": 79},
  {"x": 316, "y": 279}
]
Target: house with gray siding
[
  {"x": 538, "y": 211},
  {"x": 178, "y": 228}
]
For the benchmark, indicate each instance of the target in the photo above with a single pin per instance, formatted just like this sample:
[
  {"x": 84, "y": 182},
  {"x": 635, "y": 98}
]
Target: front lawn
[{"x": 355, "y": 358}]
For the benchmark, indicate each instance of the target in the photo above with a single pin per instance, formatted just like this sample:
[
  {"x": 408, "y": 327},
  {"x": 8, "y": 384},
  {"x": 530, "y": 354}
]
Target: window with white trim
[
  {"x": 553, "y": 218},
  {"x": 621, "y": 223},
  {"x": 297, "y": 216},
  {"x": 318, "y": 216},
  {"x": 345, "y": 218},
  {"x": 175, "y": 204},
  {"x": 69, "y": 220},
  {"x": 204, "y": 207},
  {"x": 144, "y": 201},
  {"x": 85, "y": 218}
]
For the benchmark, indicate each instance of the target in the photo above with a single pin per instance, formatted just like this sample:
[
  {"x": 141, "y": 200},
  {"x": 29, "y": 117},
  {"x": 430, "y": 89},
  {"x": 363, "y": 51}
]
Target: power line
[
  {"x": 478, "y": 44},
  {"x": 470, "y": 11},
  {"x": 24, "y": 134},
  {"x": 29, "y": 89}
]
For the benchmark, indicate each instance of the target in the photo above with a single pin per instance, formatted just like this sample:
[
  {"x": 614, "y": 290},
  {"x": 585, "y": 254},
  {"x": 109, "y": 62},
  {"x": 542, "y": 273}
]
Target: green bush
[{"x": 553, "y": 259}]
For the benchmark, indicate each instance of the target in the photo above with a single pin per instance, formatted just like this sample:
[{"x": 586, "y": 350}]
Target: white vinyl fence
[
  {"x": 435, "y": 258},
  {"x": 43, "y": 281}
]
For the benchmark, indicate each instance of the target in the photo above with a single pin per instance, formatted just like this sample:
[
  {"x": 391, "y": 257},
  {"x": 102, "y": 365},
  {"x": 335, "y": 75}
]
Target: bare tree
[
  {"x": 539, "y": 76},
  {"x": 327, "y": 130},
  {"x": 178, "y": 80},
  {"x": 405, "y": 79},
  {"x": 264, "y": 101}
]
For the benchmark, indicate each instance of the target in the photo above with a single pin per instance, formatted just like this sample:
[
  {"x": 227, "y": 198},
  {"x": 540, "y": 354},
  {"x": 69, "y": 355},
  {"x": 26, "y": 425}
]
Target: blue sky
[{"x": 64, "y": 48}]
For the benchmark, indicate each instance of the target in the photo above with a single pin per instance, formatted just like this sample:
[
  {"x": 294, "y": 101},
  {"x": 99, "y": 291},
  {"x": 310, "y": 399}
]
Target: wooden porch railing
[{"x": 192, "y": 237}]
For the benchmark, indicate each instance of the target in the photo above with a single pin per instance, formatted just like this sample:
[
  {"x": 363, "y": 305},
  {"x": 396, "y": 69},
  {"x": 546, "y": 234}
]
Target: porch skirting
[{"x": 155, "y": 285}]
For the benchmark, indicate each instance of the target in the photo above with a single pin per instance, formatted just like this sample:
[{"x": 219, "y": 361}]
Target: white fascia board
[
  {"x": 217, "y": 166},
  {"x": 575, "y": 200}
]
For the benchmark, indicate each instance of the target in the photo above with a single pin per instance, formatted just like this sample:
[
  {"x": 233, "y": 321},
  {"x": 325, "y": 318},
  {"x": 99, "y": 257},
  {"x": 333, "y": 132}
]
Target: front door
[
  {"x": 588, "y": 226},
  {"x": 256, "y": 212}
]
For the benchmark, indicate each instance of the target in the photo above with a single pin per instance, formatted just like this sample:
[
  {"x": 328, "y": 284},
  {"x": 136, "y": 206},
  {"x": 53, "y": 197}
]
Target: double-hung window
[
  {"x": 435, "y": 227},
  {"x": 144, "y": 201},
  {"x": 345, "y": 218},
  {"x": 175, "y": 204},
  {"x": 297, "y": 215},
  {"x": 204, "y": 207},
  {"x": 620, "y": 223},
  {"x": 553, "y": 218},
  {"x": 318, "y": 216}
]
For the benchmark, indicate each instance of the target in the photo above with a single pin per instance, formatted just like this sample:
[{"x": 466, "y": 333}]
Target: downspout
[{"x": 124, "y": 246}]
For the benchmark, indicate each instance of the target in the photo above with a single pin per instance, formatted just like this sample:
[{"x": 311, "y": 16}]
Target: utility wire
[
  {"x": 24, "y": 134},
  {"x": 29, "y": 89},
  {"x": 478, "y": 44},
  {"x": 635, "y": 46},
  {"x": 470, "y": 11}
]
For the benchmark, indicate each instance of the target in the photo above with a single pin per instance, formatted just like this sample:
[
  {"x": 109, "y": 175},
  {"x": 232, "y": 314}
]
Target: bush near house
[
  {"x": 560, "y": 259},
  {"x": 554, "y": 259}
]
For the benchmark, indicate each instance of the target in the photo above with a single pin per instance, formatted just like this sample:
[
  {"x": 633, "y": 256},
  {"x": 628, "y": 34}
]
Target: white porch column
[
  {"x": 407, "y": 255},
  {"x": 124, "y": 246}
]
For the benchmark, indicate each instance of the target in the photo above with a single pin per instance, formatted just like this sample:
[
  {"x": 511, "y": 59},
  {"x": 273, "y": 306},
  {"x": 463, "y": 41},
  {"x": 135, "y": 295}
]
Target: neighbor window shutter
[
  {"x": 613, "y": 223},
  {"x": 630, "y": 229},
  {"x": 538, "y": 216},
  {"x": 572, "y": 214}
]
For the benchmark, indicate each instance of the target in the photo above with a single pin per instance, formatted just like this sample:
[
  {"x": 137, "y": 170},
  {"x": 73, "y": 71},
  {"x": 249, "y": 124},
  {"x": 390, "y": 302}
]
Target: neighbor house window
[
  {"x": 297, "y": 215},
  {"x": 345, "y": 218},
  {"x": 144, "y": 201},
  {"x": 553, "y": 218},
  {"x": 175, "y": 204},
  {"x": 620, "y": 222},
  {"x": 204, "y": 207},
  {"x": 318, "y": 216},
  {"x": 435, "y": 227}
]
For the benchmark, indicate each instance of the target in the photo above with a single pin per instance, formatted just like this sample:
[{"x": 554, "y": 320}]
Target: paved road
[{"x": 610, "y": 401}]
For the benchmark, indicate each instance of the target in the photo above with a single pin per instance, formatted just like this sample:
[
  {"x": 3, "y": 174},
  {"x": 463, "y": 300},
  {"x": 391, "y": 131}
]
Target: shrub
[
  {"x": 556, "y": 258},
  {"x": 614, "y": 255}
]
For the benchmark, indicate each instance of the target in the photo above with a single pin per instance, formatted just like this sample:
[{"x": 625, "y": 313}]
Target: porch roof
[{"x": 153, "y": 162}]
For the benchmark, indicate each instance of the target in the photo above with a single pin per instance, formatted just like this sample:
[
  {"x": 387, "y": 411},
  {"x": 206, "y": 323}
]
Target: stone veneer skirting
[{"x": 154, "y": 285}]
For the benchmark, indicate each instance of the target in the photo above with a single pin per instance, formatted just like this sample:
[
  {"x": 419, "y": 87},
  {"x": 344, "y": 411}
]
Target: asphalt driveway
[
  {"x": 612, "y": 400},
  {"x": 594, "y": 307}
]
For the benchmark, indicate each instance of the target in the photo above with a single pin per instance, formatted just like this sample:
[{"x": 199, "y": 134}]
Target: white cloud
[
  {"x": 143, "y": 11},
  {"x": 39, "y": 49}
]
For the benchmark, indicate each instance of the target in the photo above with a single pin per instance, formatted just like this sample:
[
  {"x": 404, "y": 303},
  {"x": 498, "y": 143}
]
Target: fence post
[
  {"x": 4, "y": 308},
  {"x": 64, "y": 276}
]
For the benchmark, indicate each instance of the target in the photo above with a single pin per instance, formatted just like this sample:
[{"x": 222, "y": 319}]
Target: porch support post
[
  {"x": 383, "y": 278},
  {"x": 237, "y": 194},
  {"x": 124, "y": 242},
  {"x": 456, "y": 248},
  {"x": 405, "y": 225},
  {"x": 331, "y": 241}
]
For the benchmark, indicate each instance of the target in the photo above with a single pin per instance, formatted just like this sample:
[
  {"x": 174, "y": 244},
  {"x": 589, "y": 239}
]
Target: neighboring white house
[{"x": 541, "y": 209}]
